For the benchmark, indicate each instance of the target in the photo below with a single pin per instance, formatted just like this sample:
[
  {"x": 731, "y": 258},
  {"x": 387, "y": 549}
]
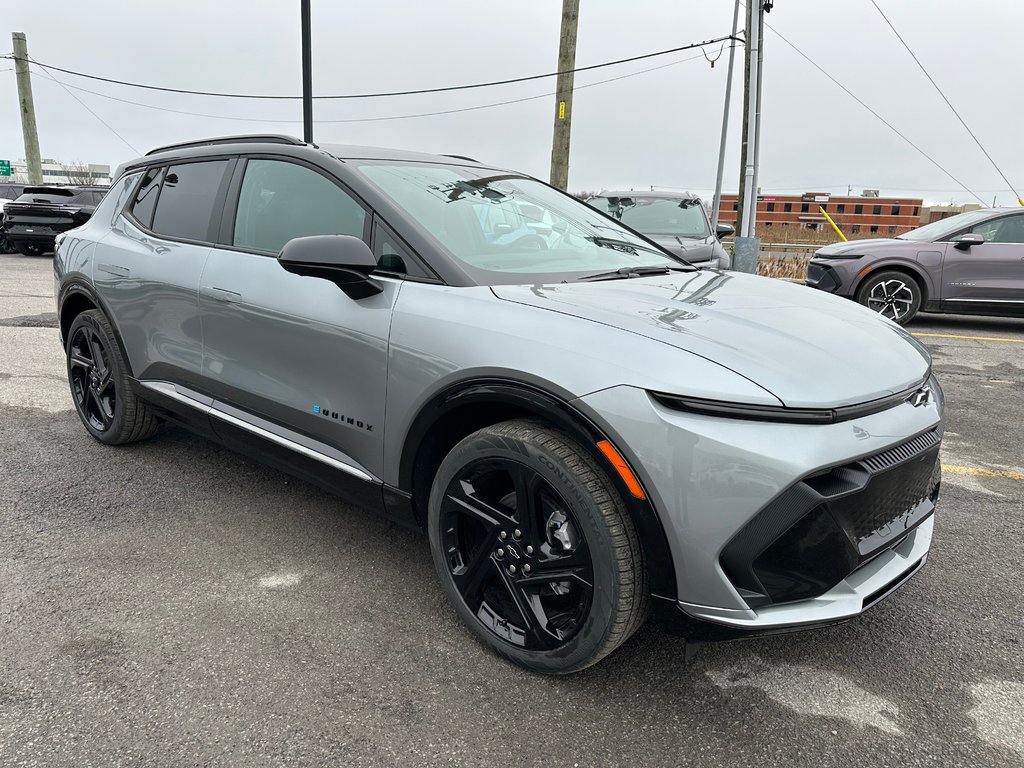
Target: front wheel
[
  {"x": 895, "y": 295},
  {"x": 535, "y": 548}
]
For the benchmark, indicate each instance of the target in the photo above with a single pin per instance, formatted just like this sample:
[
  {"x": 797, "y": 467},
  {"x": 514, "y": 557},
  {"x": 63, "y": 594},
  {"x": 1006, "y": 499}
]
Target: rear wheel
[
  {"x": 895, "y": 295},
  {"x": 98, "y": 376},
  {"x": 29, "y": 249},
  {"x": 535, "y": 549}
]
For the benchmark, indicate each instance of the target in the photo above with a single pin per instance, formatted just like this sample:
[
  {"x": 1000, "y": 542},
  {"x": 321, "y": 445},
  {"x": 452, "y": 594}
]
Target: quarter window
[
  {"x": 280, "y": 201},
  {"x": 187, "y": 199},
  {"x": 145, "y": 200}
]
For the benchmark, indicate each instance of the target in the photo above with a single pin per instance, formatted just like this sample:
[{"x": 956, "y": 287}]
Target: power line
[
  {"x": 891, "y": 127},
  {"x": 394, "y": 93},
  {"x": 948, "y": 103},
  {"x": 47, "y": 76},
  {"x": 109, "y": 127}
]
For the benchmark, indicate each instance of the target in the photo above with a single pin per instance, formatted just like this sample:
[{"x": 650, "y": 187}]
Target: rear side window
[
  {"x": 145, "y": 200},
  {"x": 280, "y": 201},
  {"x": 187, "y": 198}
]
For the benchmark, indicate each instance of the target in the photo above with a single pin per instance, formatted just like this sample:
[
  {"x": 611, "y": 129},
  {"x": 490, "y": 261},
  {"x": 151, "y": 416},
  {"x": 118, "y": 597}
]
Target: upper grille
[{"x": 899, "y": 453}]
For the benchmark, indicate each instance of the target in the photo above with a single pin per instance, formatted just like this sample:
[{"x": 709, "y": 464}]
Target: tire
[
  {"x": 895, "y": 295},
  {"x": 496, "y": 563},
  {"x": 100, "y": 389},
  {"x": 5, "y": 244},
  {"x": 29, "y": 249}
]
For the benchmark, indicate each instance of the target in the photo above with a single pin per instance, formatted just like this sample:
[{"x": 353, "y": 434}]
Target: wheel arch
[
  {"x": 912, "y": 271},
  {"x": 468, "y": 406},
  {"x": 77, "y": 298}
]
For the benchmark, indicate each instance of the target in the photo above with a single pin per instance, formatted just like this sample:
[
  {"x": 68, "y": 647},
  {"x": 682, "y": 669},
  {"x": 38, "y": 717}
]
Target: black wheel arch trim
[
  {"x": 83, "y": 289},
  {"x": 563, "y": 415}
]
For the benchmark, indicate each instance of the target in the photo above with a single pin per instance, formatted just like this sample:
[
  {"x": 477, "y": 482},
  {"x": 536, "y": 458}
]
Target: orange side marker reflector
[{"x": 622, "y": 468}]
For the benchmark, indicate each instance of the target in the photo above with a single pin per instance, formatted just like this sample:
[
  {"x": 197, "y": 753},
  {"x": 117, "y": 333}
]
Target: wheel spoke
[
  {"x": 558, "y": 570},
  {"x": 471, "y": 578},
  {"x": 468, "y": 501},
  {"x": 527, "y": 484},
  {"x": 97, "y": 355},
  {"x": 533, "y": 624},
  {"x": 78, "y": 360}
]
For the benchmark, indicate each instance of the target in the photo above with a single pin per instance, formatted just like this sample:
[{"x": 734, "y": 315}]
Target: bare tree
[{"x": 79, "y": 173}]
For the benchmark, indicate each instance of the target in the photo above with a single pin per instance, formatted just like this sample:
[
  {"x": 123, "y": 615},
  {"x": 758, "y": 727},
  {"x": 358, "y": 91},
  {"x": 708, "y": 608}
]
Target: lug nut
[
  {"x": 501, "y": 552},
  {"x": 502, "y": 535},
  {"x": 527, "y": 568},
  {"x": 517, "y": 534},
  {"x": 511, "y": 569},
  {"x": 529, "y": 549}
]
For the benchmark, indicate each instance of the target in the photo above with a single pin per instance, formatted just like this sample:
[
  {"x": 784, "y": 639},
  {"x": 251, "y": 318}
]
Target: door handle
[
  {"x": 221, "y": 294},
  {"x": 114, "y": 269}
]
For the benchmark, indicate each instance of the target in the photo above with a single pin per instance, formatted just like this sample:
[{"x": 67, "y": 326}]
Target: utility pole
[
  {"x": 307, "y": 76},
  {"x": 27, "y": 108},
  {"x": 747, "y": 246},
  {"x": 563, "y": 97},
  {"x": 725, "y": 118}
]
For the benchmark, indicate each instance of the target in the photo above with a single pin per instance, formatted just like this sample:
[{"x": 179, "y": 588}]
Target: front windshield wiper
[
  {"x": 620, "y": 245},
  {"x": 639, "y": 271}
]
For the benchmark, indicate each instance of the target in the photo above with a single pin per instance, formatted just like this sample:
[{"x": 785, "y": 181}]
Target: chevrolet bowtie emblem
[{"x": 922, "y": 396}]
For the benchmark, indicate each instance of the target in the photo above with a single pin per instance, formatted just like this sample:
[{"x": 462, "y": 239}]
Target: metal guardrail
[{"x": 804, "y": 249}]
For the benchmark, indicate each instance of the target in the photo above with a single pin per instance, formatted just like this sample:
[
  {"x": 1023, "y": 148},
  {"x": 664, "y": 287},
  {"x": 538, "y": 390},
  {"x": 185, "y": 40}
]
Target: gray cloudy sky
[{"x": 658, "y": 128}]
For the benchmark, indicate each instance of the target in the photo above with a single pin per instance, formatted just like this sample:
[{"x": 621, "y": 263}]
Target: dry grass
[{"x": 773, "y": 265}]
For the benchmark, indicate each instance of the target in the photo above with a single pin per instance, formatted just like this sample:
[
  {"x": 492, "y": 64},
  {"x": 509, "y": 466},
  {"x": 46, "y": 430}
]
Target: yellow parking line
[
  {"x": 973, "y": 338},
  {"x": 983, "y": 472}
]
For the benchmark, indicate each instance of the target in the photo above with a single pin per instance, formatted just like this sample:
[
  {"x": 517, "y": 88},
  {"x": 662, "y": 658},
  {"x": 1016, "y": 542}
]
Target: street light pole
[
  {"x": 725, "y": 118},
  {"x": 747, "y": 247},
  {"x": 307, "y": 76}
]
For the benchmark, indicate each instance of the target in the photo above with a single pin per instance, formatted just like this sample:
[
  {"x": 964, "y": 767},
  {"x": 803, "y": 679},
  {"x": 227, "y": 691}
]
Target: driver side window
[
  {"x": 1011, "y": 230},
  {"x": 988, "y": 229}
]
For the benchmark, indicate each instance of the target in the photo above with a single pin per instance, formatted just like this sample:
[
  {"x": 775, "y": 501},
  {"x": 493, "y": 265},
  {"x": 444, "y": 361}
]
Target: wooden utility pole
[
  {"x": 563, "y": 97},
  {"x": 27, "y": 108}
]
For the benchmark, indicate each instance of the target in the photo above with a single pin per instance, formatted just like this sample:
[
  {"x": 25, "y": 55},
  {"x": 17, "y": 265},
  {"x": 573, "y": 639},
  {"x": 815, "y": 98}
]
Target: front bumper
[
  {"x": 727, "y": 491},
  {"x": 823, "y": 277}
]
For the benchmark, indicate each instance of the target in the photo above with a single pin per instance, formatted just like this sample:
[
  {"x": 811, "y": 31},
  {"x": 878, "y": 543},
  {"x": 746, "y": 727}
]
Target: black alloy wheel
[
  {"x": 516, "y": 554},
  {"x": 98, "y": 377},
  {"x": 29, "y": 249},
  {"x": 92, "y": 385},
  {"x": 535, "y": 548}
]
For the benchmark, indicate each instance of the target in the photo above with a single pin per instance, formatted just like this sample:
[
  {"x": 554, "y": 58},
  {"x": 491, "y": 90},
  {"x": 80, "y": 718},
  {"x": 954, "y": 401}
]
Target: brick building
[{"x": 863, "y": 215}]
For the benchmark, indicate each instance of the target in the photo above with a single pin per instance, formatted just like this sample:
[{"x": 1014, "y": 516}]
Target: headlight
[{"x": 839, "y": 256}]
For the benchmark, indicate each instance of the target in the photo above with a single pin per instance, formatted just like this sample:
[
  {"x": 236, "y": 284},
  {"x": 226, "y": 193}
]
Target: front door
[
  {"x": 987, "y": 278},
  {"x": 288, "y": 355}
]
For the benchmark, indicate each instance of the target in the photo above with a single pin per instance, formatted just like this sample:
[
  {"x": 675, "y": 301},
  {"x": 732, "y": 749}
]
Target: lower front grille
[{"x": 825, "y": 527}]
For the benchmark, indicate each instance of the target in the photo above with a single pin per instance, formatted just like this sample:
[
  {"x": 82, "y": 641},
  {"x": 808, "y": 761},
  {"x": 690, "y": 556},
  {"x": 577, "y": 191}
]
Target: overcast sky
[{"x": 656, "y": 128}]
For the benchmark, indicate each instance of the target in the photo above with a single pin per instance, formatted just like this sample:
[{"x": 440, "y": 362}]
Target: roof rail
[
  {"x": 462, "y": 157},
  {"x": 254, "y": 138}
]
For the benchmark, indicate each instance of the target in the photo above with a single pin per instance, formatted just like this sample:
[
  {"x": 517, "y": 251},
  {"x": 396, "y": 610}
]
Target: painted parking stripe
[
  {"x": 972, "y": 338},
  {"x": 981, "y": 471}
]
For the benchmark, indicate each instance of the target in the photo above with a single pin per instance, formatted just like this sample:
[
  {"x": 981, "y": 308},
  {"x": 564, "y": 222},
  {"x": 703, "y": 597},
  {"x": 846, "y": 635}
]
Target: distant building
[
  {"x": 62, "y": 173},
  {"x": 863, "y": 215},
  {"x": 932, "y": 213}
]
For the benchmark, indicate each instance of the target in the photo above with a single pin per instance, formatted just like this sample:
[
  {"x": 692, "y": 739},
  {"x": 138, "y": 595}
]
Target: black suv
[{"x": 33, "y": 221}]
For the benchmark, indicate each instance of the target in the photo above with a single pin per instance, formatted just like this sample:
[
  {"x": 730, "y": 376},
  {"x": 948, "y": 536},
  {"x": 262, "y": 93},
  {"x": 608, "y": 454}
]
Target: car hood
[
  {"x": 807, "y": 348},
  {"x": 862, "y": 247},
  {"x": 694, "y": 251}
]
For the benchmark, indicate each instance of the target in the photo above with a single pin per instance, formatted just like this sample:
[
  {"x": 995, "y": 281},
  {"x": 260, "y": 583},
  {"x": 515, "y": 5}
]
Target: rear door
[
  {"x": 987, "y": 278},
  {"x": 147, "y": 269},
  {"x": 289, "y": 355}
]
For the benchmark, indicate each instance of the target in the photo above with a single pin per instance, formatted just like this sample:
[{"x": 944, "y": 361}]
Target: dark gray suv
[
  {"x": 588, "y": 429},
  {"x": 971, "y": 263}
]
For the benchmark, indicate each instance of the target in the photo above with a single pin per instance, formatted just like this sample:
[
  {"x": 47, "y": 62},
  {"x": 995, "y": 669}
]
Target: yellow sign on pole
[
  {"x": 834, "y": 225},
  {"x": 561, "y": 110}
]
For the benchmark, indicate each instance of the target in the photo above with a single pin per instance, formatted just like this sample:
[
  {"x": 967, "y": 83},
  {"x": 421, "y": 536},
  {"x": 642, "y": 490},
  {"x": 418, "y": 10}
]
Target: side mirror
[
  {"x": 965, "y": 241},
  {"x": 724, "y": 230},
  {"x": 344, "y": 260}
]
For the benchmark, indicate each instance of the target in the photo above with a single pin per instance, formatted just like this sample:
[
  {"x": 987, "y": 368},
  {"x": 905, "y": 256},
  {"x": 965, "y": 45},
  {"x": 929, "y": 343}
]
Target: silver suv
[{"x": 588, "y": 429}]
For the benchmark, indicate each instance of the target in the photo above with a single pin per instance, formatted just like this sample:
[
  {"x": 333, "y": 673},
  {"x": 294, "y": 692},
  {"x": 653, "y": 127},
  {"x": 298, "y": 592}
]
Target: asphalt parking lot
[{"x": 172, "y": 603}]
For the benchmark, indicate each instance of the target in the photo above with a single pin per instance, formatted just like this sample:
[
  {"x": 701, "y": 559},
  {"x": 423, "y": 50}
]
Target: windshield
[
  {"x": 681, "y": 217},
  {"x": 945, "y": 227},
  {"x": 505, "y": 228}
]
